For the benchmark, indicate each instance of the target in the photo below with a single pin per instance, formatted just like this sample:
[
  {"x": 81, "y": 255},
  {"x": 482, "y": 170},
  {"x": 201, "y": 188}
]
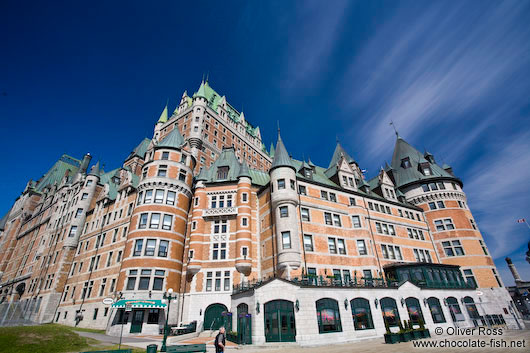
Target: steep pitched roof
[
  {"x": 163, "y": 115},
  {"x": 173, "y": 140},
  {"x": 95, "y": 170},
  {"x": 403, "y": 176},
  {"x": 281, "y": 157},
  {"x": 271, "y": 153},
  {"x": 57, "y": 172},
  {"x": 337, "y": 154},
  {"x": 243, "y": 170},
  {"x": 140, "y": 150}
]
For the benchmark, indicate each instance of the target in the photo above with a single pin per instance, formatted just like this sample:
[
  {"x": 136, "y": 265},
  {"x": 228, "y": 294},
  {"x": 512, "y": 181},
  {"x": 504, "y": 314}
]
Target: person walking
[{"x": 220, "y": 341}]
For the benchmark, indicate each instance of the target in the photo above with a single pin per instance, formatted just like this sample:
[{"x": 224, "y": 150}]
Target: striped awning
[{"x": 136, "y": 303}]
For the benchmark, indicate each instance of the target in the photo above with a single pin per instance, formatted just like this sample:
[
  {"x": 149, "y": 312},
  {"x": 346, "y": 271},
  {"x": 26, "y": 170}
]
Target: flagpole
[{"x": 528, "y": 225}]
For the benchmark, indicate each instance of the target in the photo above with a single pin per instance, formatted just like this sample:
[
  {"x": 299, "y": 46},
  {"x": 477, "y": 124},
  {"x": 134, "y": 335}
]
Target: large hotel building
[{"x": 275, "y": 248}]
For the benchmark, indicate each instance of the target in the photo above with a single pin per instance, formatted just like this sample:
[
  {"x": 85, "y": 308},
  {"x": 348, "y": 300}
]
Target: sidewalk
[{"x": 137, "y": 341}]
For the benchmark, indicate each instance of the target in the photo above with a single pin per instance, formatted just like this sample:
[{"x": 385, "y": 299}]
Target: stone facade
[{"x": 203, "y": 208}]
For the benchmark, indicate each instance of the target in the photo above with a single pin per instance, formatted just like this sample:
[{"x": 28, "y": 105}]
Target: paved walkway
[{"x": 137, "y": 341}]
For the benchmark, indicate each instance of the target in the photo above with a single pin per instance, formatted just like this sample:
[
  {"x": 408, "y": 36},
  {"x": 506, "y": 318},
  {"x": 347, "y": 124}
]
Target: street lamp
[{"x": 167, "y": 296}]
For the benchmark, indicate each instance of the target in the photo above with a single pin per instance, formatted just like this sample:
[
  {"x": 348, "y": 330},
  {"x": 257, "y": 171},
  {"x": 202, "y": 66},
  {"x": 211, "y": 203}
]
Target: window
[
  {"x": 468, "y": 274},
  {"x": 308, "y": 242},
  {"x": 414, "y": 310},
  {"x": 484, "y": 249},
  {"x": 336, "y": 220},
  {"x": 148, "y": 196},
  {"x": 473, "y": 225},
  {"x": 444, "y": 224},
  {"x": 305, "y": 214},
  {"x": 332, "y": 197},
  {"x": 143, "y": 221},
  {"x": 324, "y": 195},
  {"x": 327, "y": 218},
  {"x": 453, "y": 248},
  {"x": 155, "y": 221},
  {"x": 284, "y": 212},
  {"x": 208, "y": 281},
  {"x": 131, "y": 280},
  {"x": 138, "y": 247},
  {"x": 341, "y": 246},
  {"x": 281, "y": 184},
  {"x": 78, "y": 213},
  {"x": 356, "y": 221},
  {"x": 286, "y": 240},
  {"x": 162, "y": 171},
  {"x": 352, "y": 201},
  {"x": 454, "y": 309},
  {"x": 95, "y": 316},
  {"x": 302, "y": 190},
  {"x": 292, "y": 184},
  {"x": 84, "y": 196},
  {"x": 158, "y": 280},
  {"x": 182, "y": 175},
  {"x": 405, "y": 163},
  {"x": 361, "y": 313},
  {"x": 165, "y": 156},
  {"x": 440, "y": 204},
  {"x": 332, "y": 245},
  {"x": 150, "y": 246},
  {"x": 361, "y": 247},
  {"x": 168, "y": 220},
  {"x": 436, "y": 310},
  {"x": 390, "y": 311},
  {"x": 391, "y": 252},
  {"x": 73, "y": 231},
  {"x": 152, "y": 317},
  {"x": 244, "y": 197},
  {"x": 328, "y": 316},
  {"x": 244, "y": 221},
  {"x": 159, "y": 196},
  {"x": 145, "y": 278},
  {"x": 220, "y": 227},
  {"x": 219, "y": 251}
]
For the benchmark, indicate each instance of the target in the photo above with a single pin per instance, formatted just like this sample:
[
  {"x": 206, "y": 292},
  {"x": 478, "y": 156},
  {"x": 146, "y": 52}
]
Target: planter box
[
  {"x": 417, "y": 334},
  {"x": 392, "y": 338},
  {"x": 405, "y": 337},
  {"x": 232, "y": 338},
  {"x": 426, "y": 333}
]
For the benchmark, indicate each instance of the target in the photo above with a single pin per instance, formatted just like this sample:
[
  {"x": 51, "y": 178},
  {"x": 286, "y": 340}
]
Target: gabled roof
[
  {"x": 337, "y": 154},
  {"x": 228, "y": 158},
  {"x": 403, "y": 176},
  {"x": 281, "y": 157},
  {"x": 172, "y": 140},
  {"x": 140, "y": 150},
  {"x": 57, "y": 172}
]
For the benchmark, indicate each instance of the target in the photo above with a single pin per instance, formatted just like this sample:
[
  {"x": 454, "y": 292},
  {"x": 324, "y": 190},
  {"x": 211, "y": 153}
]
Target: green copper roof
[
  {"x": 3, "y": 221},
  {"x": 228, "y": 158},
  {"x": 173, "y": 140},
  {"x": 95, "y": 170},
  {"x": 140, "y": 150},
  {"x": 337, "y": 154},
  {"x": 243, "y": 170},
  {"x": 163, "y": 116},
  {"x": 281, "y": 157},
  {"x": 403, "y": 176},
  {"x": 271, "y": 153},
  {"x": 57, "y": 172}
]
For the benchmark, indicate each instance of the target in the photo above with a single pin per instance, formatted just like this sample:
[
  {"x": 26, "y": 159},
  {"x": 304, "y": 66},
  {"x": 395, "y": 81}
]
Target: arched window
[
  {"x": 471, "y": 308},
  {"x": 328, "y": 316},
  {"x": 390, "y": 311},
  {"x": 362, "y": 315},
  {"x": 436, "y": 310},
  {"x": 242, "y": 309},
  {"x": 454, "y": 309},
  {"x": 414, "y": 309}
]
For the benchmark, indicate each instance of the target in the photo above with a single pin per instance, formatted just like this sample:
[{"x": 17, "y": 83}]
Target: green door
[
  {"x": 213, "y": 316},
  {"x": 244, "y": 325},
  {"x": 137, "y": 321},
  {"x": 280, "y": 324}
]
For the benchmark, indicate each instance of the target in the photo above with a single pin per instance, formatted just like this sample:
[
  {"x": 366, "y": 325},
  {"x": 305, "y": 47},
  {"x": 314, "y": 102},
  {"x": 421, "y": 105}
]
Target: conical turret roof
[
  {"x": 163, "y": 116},
  {"x": 173, "y": 140},
  {"x": 95, "y": 170},
  {"x": 337, "y": 154},
  {"x": 243, "y": 170},
  {"x": 281, "y": 157}
]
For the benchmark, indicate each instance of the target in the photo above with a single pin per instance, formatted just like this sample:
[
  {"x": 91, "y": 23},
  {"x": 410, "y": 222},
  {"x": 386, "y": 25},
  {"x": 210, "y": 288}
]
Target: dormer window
[
  {"x": 308, "y": 173},
  {"x": 405, "y": 163},
  {"x": 222, "y": 173},
  {"x": 425, "y": 169}
]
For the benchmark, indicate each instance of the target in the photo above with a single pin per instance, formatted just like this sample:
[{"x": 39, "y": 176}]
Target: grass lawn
[{"x": 51, "y": 338}]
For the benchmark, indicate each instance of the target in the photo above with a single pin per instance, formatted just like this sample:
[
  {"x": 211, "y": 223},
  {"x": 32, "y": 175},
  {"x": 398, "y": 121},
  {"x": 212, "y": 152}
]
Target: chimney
[
  {"x": 84, "y": 163},
  {"x": 512, "y": 268}
]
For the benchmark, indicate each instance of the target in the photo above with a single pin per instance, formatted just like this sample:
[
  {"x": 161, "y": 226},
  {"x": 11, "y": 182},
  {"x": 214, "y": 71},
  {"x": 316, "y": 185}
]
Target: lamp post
[{"x": 167, "y": 296}]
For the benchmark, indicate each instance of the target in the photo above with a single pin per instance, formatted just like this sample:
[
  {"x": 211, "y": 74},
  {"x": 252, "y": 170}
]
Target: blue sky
[{"x": 79, "y": 77}]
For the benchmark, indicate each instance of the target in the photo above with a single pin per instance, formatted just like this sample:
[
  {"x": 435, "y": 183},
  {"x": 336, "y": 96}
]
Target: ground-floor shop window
[
  {"x": 152, "y": 318},
  {"x": 362, "y": 315},
  {"x": 328, "y": 316},
  {"x": 390, "y": 311},
  {"x": 436, "y": 310}
]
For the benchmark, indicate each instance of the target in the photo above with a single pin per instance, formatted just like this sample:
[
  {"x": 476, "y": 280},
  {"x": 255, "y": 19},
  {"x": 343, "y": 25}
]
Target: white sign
[
  {"x": 479, "y": 292},
  {"x": 128, "y": 307},
  {"x": 108, "y": 301}
]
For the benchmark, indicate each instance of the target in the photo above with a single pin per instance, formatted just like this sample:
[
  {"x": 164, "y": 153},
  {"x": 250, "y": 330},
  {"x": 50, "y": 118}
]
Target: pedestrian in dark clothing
[{"x": 220, "y": 341}]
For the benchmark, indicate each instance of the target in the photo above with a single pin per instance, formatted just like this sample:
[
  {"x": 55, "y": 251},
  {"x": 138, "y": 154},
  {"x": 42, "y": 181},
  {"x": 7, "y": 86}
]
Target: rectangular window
[
  {"x": 324, "y": 195},
  {"x": 281, "y": 184},
  {"x": 168, "y": 220},
  {"x": 305, "y": 214},
  {"x": 165, "y": 156},
  {"x": 244, "y": 196},
  {"x": 143, "y": 221},
  {"x": 159, "y": 196},
  {"x": 356, "y": 221},
  {"x": 302, "y": 190},
  {"x": 332, "y": 197},
  {"x": 341, "y": 246},
  {"x": 138, "y": 247},
  {"x": 308, "y": 242},
  {"x": 286, "y": 240},
  {"x": 336, "y": 220},
  {"x": 352, "y": 201},
  {"x": 332, "y": 245},
  {"x": 284, "y": 212},
  {"x": 361, "y": 247},
  {"x": 432, "y": 205},
  {"x": 148, "y": 196},
  {"x": 470, "y": 278},
  {"x": 162, "y": 171},
  {"x": 182, "y": 175},
  {"x": 440, "y": 204},
  {"x": 73, "y": 231},
  {"x": 170, "y": 200},
  {"x": 448, "y": 223},
  {"x": 152, "y": 317},
  {"x": 292, "y": 184},
  {"x": 327, "y": 218},
  {"x": 78, "y": 213},
  {"x": 150, "y": 246},
  {"x": 162, "y": 248},
  {"x": 155, "y": 221}
]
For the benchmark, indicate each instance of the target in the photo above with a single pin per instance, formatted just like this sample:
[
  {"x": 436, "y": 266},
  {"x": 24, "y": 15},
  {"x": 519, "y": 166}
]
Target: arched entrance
[
  {"x": 280, "y": 324},
  {"x": 244, "y": 324},
  {"x": 213, "y": 316}
]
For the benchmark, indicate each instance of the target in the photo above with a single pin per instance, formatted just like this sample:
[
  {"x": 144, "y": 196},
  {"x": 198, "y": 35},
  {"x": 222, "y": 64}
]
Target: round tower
[
  {"x": 243, "y": 225},
  {"x": 197, "y": 236},
  {"x": 199, "y": 103},
  {"x": 152, "y": 261},
  {"x": 284, "y": 200}
]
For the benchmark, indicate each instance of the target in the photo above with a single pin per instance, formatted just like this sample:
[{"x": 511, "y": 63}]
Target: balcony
[{"x": 219, "y": 212}]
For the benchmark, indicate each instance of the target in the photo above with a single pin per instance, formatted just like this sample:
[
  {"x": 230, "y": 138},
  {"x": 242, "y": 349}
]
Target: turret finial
[{"x": 394, "y": 126}]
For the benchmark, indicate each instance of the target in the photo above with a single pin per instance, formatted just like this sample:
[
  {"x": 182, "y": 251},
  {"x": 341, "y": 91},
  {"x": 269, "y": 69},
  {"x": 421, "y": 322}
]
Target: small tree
[
  {"x": 401, "y": 329},
  {"x": 421, "y": 323},
  {"x": 387, "y": 327}
]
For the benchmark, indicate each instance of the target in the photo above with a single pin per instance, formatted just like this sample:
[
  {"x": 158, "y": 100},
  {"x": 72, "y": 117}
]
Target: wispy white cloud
[{"x": 311, "y": 37}]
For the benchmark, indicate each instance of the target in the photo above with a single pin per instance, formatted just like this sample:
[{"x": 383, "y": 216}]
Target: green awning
[{"x": 136, "y": 303}]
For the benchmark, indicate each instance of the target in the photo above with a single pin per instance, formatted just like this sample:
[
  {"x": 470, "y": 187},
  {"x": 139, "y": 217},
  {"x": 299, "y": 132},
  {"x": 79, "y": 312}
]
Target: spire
[
  {"x": 163, "y": 116},
  {"x": 338, "y": 154},
  {"x": 243, "y": 170},
  {"x": 311, "y": 164},
  {"x": 174, "y": 139},
  {"x": 271, "y": 153},
  {"x": 202, "y": 90},
  {"x": 95, "y": 170},
  {"x": 281, "y": 157}
]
